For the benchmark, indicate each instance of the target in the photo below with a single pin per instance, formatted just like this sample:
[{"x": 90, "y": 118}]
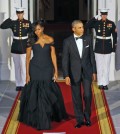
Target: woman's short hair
[
  {"x": 32, "y": 37},
  {"x": 39, "y": 22}
]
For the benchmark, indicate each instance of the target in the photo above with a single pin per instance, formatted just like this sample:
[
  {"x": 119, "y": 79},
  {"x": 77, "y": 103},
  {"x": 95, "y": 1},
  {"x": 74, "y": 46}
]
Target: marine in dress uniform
[
  {"x": 20, "y": 28},
  {"x": 104, "y": 46}
]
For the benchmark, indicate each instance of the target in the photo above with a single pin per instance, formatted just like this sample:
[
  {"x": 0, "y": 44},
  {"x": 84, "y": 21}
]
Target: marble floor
[{"x": 8, "y": 94}]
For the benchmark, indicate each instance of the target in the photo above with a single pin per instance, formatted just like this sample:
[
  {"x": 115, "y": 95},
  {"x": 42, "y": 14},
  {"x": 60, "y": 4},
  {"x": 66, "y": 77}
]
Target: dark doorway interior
[
  {"x": 62, "y": 10},
  {"x": 66, "y": 10}
]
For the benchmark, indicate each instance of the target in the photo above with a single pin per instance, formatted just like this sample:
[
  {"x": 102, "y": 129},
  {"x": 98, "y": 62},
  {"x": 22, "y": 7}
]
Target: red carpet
[{"x": 100, "y": 118}]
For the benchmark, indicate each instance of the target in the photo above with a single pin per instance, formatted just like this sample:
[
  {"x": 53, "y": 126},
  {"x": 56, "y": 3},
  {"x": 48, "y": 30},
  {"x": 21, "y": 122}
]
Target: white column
[
  {"x": 94, "y": 13},
  {"x": 117, "y": 73},
  {"x": 94, "y": 8},
  {"x": 4, "y": 52},
  {"x": 118, "y": 4},
  {"x": 101, "y": 4},
  {"x": 31, "y": 10}
]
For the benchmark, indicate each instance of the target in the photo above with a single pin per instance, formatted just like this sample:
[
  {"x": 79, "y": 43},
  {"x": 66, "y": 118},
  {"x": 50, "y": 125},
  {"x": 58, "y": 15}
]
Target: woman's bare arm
[{"x": 54, "y": 61}]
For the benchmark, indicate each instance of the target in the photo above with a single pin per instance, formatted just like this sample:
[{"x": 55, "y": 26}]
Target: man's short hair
[{"x": 76, "y": 22}]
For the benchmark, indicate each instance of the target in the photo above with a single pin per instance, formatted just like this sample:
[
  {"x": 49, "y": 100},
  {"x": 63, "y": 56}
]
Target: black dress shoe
[
  {"x": 88, "y": 123},
  {"x": 18, "y": 88},
  {"x": 105, "y": 87},
  {"x": 79, "y": 124},
  {"x": 100, "y": 86}
]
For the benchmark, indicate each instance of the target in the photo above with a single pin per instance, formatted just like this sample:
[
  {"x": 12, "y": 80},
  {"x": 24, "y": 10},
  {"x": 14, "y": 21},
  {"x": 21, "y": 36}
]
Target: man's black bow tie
[{"x": 78, "y": 37}]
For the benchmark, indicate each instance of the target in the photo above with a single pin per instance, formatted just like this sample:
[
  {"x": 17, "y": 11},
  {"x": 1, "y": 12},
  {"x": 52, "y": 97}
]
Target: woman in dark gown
[{"x": 41, "y": 98}]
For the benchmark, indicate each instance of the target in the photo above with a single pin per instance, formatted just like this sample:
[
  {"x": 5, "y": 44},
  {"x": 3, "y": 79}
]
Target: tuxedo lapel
[
  {"x": 84, "y": 45},
  {"x": 74, "y": 46}
]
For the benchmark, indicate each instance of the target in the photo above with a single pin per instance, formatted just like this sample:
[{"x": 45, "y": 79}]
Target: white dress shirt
[{"x": 79, "y": 43}]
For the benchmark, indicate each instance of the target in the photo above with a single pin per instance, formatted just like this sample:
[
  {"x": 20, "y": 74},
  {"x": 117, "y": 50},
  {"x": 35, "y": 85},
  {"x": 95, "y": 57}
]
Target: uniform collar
[
  {"x": 104, "y": 21},
  {"x": 77, "y": 36},
  {"x": 20, "y": 20}
]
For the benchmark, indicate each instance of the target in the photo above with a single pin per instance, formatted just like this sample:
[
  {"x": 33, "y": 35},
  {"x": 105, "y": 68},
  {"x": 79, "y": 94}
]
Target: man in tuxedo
[{"x": 79, "y": 66}]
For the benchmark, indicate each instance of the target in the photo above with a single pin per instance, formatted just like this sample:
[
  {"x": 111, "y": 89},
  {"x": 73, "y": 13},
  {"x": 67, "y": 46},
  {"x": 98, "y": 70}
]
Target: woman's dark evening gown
[{"x": 41, "y": 98}]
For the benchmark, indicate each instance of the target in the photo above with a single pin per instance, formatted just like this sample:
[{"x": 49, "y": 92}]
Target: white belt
[
  {"x": 20, "y": 38},
  {"x": 105, "y": 38}
]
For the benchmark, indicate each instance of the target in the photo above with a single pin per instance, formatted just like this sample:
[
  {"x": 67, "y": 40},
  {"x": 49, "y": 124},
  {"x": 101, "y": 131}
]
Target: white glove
[{"x": 96, "y": 17}]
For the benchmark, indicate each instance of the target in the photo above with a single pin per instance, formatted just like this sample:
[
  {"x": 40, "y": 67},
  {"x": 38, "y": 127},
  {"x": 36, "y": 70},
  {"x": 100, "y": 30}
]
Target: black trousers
[{"x": 77, "y": 96}]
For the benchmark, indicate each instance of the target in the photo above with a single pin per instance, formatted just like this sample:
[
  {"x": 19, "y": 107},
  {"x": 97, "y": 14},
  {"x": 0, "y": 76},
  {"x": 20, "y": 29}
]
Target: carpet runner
[{"x": 100, "y": 118}]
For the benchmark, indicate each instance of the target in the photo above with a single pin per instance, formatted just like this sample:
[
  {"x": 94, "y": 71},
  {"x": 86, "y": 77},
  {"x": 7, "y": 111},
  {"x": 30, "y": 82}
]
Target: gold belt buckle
[
  {"x": 20, "y": 38},
  {"x": 104, "y": 37}
]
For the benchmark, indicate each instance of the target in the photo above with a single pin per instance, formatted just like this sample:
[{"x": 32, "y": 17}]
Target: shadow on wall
[{"x": 5, "y": 46}]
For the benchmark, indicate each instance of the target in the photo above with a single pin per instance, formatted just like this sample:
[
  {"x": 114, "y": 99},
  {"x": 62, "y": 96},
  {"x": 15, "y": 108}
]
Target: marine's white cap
[
  {"x": 19, "y": 9},
  {"x": 104, "y": 11}
]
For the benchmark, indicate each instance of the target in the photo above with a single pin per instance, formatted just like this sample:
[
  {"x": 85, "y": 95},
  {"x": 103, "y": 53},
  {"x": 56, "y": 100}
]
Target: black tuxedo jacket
[{"x": 74, "y": 66}]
